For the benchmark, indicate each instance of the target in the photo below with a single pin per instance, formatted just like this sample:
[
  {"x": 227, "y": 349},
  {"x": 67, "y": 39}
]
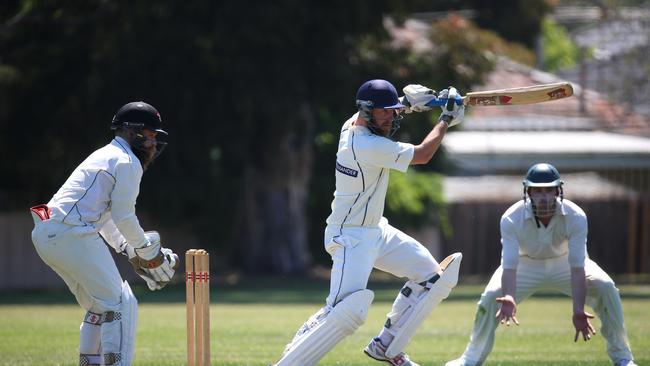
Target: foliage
[
  {"x": 514, "y": 20},
  {"x": 238, "y": 87},
  {"x": 416, "y": 199},
  {"x": 252, "y": 93},
  {"x": 558, "y": 49}
]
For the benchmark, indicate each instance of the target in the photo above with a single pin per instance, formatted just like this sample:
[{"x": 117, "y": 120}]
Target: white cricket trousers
[
  {"x": 356, "y": 250},
  {"x": 83, "y": 261},
  {"x": 554, "y": 274}
]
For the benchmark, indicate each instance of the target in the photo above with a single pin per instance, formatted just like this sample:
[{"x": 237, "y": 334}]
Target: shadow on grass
[{"x": 275, "y": 290}]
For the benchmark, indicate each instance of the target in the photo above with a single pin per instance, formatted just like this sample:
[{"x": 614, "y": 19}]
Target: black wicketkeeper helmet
[{"x": 138, "y": 115}]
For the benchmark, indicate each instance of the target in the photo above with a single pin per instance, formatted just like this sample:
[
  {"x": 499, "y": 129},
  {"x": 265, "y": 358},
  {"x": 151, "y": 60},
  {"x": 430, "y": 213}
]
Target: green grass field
[{"x": 252, "y": 323}]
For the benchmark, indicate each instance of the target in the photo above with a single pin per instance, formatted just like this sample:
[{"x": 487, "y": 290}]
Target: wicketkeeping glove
[
  {"x": 416, "y": 97},
  {"x": 133, "y": 260},
  {"x": 165, "y": 271},
  {"x": 158, "y": 271},
  {"x": 149, "y": 255}
]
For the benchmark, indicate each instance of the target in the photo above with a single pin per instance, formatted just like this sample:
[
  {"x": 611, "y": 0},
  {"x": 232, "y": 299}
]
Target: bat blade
[
  {"x": 516, "y": 96},
  {"x": 512, "y": 96}
]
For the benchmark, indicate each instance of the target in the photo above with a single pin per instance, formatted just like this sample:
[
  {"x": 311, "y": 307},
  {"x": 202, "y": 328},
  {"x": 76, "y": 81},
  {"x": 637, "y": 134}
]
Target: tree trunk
[{"x": 271, "y": 228}]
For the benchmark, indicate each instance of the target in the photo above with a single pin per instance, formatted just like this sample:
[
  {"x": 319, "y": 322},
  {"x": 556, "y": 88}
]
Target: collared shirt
[
  {"x": 565, "y": 233},
  {"x": 363, "y": 162},
  {"x": 103, "y": 190}
]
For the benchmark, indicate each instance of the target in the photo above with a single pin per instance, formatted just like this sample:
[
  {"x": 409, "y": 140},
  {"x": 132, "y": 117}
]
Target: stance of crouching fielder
[
  {"x": 358, "y": 238},
  {"x": 97, "y": 204},
  {"x": 544, "y": 240}
]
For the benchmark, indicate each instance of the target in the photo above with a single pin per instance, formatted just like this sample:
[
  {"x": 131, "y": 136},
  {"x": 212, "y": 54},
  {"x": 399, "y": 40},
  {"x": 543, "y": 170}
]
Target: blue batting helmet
[{"x": 378, "y": 93}]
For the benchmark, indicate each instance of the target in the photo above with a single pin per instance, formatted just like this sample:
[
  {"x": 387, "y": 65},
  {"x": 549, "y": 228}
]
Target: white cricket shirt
[
  {"x": 565, "y": 233},
  {"x": 363, "y": 162},
  {"x": 101, "y": 192}
]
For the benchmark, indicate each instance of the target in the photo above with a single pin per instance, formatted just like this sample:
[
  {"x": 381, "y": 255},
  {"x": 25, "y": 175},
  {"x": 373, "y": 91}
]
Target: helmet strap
[
  {"x": 375, "y": 129},
  {"x": 365, "y": 110},
  {"x": 140, "y": 146}
]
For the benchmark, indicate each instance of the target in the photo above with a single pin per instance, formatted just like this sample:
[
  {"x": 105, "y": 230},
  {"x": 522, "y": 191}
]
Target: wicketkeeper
[
  {"x": 97, "y": 205},
  {"x": 544, "y": 239},
  {"x": 359, "y": 238}
]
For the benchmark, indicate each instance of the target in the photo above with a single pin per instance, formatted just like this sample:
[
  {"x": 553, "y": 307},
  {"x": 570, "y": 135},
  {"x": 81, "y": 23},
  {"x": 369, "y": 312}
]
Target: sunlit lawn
[{"x": 245, "y": 332}]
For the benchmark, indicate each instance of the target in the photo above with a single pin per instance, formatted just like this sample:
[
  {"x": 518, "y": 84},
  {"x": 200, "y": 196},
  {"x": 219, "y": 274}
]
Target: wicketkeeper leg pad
[
  {"x": 416, "y": 301},
  {"x": 118, "y": 330},
  {"x": 90, "y": 341},
  {"x": 329, "y": 329}
]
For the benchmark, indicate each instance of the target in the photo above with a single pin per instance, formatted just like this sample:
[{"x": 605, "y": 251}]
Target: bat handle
[
  {"x": 447, "y": 118},
  {"x": 440, "y": 102}
]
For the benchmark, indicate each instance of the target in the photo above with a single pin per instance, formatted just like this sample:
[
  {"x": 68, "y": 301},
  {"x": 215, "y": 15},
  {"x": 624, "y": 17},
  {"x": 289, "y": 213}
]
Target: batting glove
[
  {"x": 416, "y": 97},
  {"x": 452, "y": 113}
]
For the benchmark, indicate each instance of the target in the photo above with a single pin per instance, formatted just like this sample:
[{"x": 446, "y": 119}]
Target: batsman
[
  {"x": 359, "y": 238},
  {"x": 95, "y": 205}
]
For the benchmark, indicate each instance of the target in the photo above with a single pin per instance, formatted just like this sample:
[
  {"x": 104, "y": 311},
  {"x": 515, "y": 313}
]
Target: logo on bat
[
  {"x": 491, "y": 100},
  {"x": 557, "y": 93}
]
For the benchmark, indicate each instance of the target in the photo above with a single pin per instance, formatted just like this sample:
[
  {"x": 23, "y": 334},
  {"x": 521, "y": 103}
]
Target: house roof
[
  {"x": 508, "y": 188},
  {"x": 618, "y": 39},
  {"x": 618, "y": 62},
  {"x": 490, "y": 151},
  {"x": 584, "y": 132},
  {"x": 564, "y": 114},
  {"x": 511, "y": 138}
]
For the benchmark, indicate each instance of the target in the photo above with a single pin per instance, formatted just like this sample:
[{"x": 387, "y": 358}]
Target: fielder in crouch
[
  {"x": 359, "y": 238},
  {"x": 97, "y": 204},
  {"x": 544, "y": 239}
]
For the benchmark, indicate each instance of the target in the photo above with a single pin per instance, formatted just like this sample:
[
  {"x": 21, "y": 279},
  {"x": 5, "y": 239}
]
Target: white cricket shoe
[
  {"x": 625, "y": 363},
  {"x": 461, "y": 361},
  {"x": 377, "y": 351}
]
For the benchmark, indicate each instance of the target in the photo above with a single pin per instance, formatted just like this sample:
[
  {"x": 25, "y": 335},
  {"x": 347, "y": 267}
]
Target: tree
[
  {"x": 244, "y": 88},
  {"x": 238, "y": 84},
  {"x": 514, "y": 20}
]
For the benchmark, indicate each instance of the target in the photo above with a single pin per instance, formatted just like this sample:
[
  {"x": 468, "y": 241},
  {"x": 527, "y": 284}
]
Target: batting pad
[
  {"x": 346, "y": 317},
  {"x": 403, "y": 327},
  {"x": 118, "y": 330}
]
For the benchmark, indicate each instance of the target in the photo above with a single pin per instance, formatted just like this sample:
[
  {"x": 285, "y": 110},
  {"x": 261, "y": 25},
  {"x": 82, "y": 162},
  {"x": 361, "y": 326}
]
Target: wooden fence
[
  {"x": 618, "y": 239},
  {"x": 20, "y": 265}
]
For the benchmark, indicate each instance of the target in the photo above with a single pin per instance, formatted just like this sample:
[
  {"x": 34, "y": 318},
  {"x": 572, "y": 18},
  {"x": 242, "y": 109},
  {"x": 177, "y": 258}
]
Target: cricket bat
[{"x": 512, "y": 96}]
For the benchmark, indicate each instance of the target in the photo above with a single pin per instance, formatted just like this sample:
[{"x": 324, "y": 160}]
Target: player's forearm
[
  {"x": 578, "y": 289},
  {"x": 509, "y": 282},
  {"x": 424, "y": 152},
  {"x": 112, "y": 235},
  {"x": 132, "y": 231}
]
